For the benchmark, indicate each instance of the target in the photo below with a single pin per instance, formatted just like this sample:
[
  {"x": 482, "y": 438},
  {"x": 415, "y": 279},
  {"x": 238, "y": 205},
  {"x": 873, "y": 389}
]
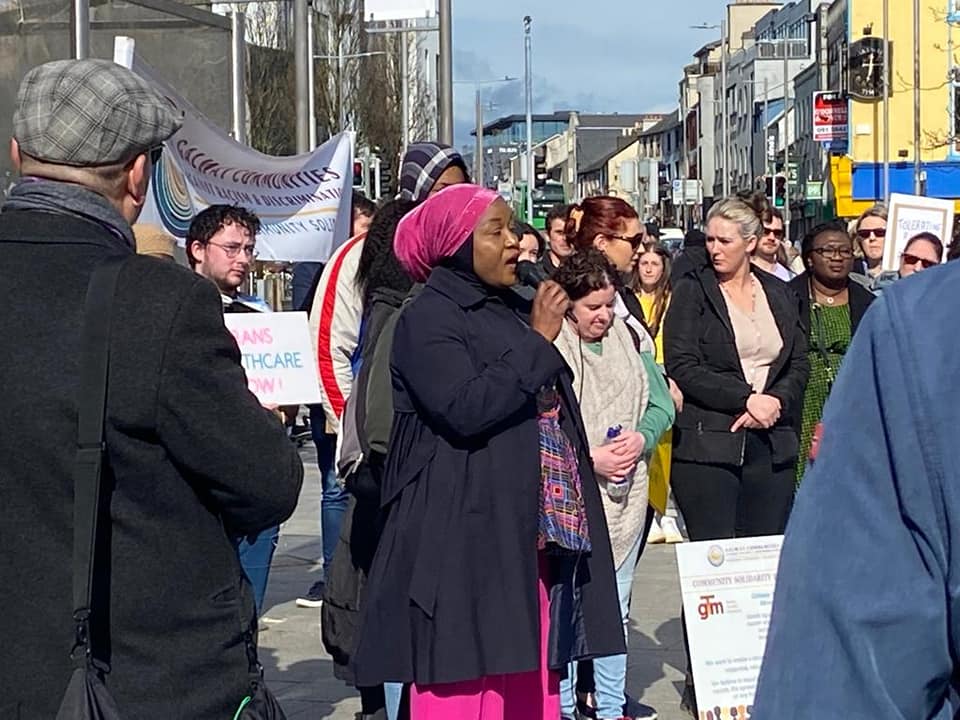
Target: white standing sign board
[
  {"x": 278, "y": 356},
  {"x": 910, "y": 215},
  {"x": 727, "y": 588}
]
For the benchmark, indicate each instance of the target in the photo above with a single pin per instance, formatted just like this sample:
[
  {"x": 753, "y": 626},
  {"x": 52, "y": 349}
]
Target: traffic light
[
  {"x": 359, "y": 181},
  {"x": 768, "y": 186},
  {"x": 780, "y": 198},
  {"x": 539, "y": 170}
]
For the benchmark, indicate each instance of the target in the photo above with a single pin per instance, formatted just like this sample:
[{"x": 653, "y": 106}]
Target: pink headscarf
[{"x": 439, "y": 227}]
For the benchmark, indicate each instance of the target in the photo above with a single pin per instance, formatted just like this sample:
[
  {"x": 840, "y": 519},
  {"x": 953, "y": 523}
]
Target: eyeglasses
[
  {"x": 911, "y": 259},
  {"x": 834, "y": 253},
  {"x": 635, "y": 240},
  {"x": 876, "y": 232},
  {"x": 155, "y": 154},
  {"x": 233, "y": 250},
  {"x": 778, "y": 234}
]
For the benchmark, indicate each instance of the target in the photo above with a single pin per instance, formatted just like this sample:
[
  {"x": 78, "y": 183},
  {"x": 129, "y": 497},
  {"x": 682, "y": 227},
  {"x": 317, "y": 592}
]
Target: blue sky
[{"x": 594, "y": 56}]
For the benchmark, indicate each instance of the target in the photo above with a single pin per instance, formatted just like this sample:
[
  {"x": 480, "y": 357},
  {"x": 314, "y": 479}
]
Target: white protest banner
[
  {"x": 278, "y": 356},
  {"x": 910, "y": 215},
  {"x": 303, "y": 201},
  {"x": 727, "y": 588}
]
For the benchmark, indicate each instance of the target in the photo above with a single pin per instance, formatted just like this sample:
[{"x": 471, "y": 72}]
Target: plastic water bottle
[{"x": 617, "y": 489}]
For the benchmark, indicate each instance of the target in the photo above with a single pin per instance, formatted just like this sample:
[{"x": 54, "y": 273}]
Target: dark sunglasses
[
  {"x": 878, "y": 232},
  {"x": 834, "y": 252},
  {"x": 911, "y": 259},
  {"x": 635, "y": 240},
  {"x": 155, "y": 154},
  {"x": 778, "y": 234}
]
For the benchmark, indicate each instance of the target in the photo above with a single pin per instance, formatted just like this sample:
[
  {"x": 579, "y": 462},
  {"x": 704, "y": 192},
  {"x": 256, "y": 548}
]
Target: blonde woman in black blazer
[{"x": 734, "y": 344}]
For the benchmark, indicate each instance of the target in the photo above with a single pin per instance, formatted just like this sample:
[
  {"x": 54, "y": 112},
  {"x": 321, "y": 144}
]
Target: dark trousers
[{"x": 724, "y": 501}]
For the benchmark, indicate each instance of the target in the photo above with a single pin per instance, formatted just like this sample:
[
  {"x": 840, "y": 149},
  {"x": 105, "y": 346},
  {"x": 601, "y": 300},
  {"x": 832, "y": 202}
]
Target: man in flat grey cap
[{"x": 172, "y": 611}]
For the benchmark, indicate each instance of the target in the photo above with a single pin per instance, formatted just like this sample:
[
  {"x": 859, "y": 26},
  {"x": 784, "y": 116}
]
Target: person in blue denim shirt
[{"x": 865, "y": 621}]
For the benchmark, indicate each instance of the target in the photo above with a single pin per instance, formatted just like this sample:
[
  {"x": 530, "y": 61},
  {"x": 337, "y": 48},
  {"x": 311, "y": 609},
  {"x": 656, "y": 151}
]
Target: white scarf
[{"x": 613, "y": 389}]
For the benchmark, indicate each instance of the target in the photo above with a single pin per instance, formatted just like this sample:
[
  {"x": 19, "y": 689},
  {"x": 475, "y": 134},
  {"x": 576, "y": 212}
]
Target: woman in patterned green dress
[{"x": 831, "y": 307}]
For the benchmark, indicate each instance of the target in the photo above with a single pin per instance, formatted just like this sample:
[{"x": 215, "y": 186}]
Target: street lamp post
[
  {"x": 917, "y": 160},
  {"x": 528, "y": 52},
  {"x": 445, "y": 74}
]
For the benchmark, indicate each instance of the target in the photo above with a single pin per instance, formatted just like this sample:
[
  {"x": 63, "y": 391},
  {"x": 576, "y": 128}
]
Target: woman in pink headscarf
[{"x": 494, "y": 567}]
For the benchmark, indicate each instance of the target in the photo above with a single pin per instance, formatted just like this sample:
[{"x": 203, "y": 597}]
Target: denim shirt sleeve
[{"x": 861, "y": 622}]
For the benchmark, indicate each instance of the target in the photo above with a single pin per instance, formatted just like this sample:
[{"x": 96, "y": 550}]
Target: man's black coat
[{"x": 195, "y": 462}]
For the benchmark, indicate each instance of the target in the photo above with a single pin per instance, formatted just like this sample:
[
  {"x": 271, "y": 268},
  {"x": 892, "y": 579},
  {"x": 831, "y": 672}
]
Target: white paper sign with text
[
  {"x": 277, "y": 354},
  {"x": 911, "y": 215},
  {"x": 727, "y": 588}
]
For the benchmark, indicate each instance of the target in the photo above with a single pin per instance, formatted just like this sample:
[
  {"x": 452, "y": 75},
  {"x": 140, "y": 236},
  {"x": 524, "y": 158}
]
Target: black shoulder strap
[{"x": 88, "y": 506}]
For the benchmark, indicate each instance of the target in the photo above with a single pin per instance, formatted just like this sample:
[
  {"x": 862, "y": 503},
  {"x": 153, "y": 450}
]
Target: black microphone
[{"x": 530, "y": 274}]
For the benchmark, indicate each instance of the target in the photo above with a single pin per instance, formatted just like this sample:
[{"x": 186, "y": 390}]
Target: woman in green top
[
  {"x": 831, "y": 306},
  {"x": 624, "y": 414}
]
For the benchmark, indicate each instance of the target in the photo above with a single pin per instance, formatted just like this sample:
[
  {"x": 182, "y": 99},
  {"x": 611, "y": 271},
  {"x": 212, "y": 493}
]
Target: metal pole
[
  {"x": 786, "y": 140},
  {"x": 766, "y": 128},
  {"x": 301, "y": 75},
  {"x": 405, "y": 93},
  {"x": 445, "y": 74},
  {"x": 917, "y": 164},
  {"x": 886, "y": 101},
  {"x": 311, "y": 79},
  {"x": 723, "y": 107},
  {"x": 81, "y": 29},
  {"x": 528, "y": 60},
  {"x": 341, "y": 84},
  {"x": 238, "y": 90},
  {"x": 478, "y": 152}
]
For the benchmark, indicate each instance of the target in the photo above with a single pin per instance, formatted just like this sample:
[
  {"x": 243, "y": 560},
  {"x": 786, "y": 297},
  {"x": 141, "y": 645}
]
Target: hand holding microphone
[{"x": 550, "y": 306}]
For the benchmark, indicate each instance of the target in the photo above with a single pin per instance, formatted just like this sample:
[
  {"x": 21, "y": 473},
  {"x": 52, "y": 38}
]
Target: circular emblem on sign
[
  {"x": 715, "y": 555},
  {"x": 172, "y": 197}
]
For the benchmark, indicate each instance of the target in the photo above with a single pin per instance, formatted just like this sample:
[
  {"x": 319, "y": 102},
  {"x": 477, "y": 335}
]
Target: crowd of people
[{"x": 496, "y": 448}]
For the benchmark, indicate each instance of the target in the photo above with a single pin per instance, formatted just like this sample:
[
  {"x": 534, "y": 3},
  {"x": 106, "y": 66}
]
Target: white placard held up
[
  {"x": 277, "y": 354},
  {"x": 727, "y": 588},
  {"x": 911, "y": 215}
]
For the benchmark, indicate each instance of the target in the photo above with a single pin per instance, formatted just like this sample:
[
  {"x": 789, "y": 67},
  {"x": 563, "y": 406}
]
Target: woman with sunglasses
[
  {"x": 831, "y": 307},
  {"x": 922, "y": 252},
  {"x": 870, "y": 232}
]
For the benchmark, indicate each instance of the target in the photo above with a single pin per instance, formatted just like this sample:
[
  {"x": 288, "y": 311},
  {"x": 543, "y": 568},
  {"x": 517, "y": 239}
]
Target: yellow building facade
[{"x": 857, "y": 174}]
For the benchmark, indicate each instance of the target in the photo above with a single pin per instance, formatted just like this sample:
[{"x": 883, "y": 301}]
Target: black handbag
[{"x": 87, "y": 696}]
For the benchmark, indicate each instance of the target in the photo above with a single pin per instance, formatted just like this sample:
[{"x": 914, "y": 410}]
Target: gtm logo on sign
[{"x": 708, "y": 607}]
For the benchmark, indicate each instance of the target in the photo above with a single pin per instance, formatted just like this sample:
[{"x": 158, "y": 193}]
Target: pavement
[{"x": 301, "y": 673}]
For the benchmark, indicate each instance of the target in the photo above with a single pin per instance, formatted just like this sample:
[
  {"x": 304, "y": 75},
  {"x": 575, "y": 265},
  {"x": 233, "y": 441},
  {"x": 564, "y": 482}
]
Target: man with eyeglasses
[{"x": 222, "y": 246}]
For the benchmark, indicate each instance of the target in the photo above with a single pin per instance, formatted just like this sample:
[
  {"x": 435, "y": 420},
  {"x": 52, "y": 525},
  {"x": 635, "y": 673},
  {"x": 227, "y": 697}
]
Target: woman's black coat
[
  {"x": 859, "y": 300},
  {"x": 452, "y": 593},
  {"x": 701, "y": 356}
]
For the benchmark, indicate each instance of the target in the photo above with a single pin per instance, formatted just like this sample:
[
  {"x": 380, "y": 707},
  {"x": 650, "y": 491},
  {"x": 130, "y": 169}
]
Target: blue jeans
[
  {"x": 334, "y": 499},
  {"x": 255, "y": 559},
  {"x": 609, "y": 673},
  {"x": 393, "y": 692}
]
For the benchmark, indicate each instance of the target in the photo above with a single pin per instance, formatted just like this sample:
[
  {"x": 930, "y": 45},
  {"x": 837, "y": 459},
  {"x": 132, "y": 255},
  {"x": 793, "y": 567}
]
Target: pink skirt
[{"x": 531, "y": 695}]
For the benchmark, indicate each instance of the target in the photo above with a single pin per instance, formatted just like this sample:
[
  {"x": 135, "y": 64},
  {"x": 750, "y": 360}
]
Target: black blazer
[
  {"x": 701, "y": 356},
  {"x": 860, "y": 299},
  {"x": 195, "y": 461}
]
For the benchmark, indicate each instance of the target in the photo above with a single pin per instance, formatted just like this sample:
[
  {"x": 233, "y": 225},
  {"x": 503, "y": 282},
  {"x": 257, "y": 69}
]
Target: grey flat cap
[{"x": 90, "y": 112}]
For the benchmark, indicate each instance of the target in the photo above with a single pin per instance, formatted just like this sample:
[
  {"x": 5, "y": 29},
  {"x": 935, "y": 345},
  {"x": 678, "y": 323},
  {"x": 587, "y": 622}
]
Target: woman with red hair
[{"x": 610, "y": 225}]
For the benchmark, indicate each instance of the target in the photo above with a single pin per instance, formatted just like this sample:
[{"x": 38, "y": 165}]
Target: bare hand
[
  {"x": 765, "y": 409},
  {"x": 746, "y": 421},
  {"x": 629, "y": 443},
  {"x": 609, "y": 464},
  {"x": 675, "y": 394},
  {"x": 549, "y": 306}
]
